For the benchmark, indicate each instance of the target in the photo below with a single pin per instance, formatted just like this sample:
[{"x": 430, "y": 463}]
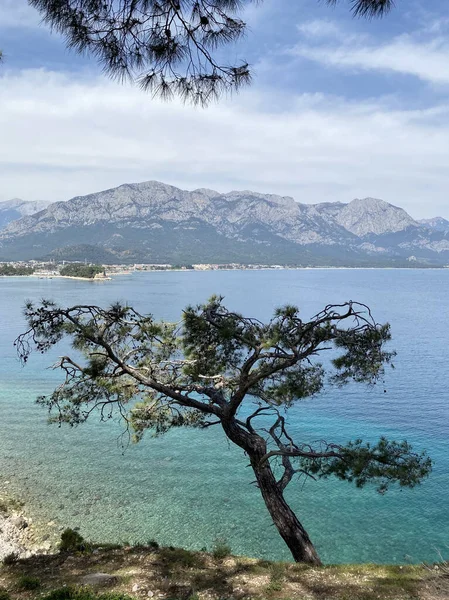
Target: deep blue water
[{"x": 191, "y": 487}]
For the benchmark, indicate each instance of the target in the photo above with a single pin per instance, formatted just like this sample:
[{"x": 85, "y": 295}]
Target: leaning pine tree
[{"x": 219, "y": 369}]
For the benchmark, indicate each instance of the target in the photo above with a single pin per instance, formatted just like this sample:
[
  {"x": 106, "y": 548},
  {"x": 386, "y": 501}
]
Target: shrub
[
  {"x": 27, "y": 582},
  {"x": 82, "y": 593},
  {"x": 69, "y": 593},
  {"x": 277, "y": 577},
  {"x": 11, "y": 558},
  {"x": 4, "y": 594},
  {"x": 277, "y": 571},
  {"x": 178, "y": 557},
  {"x": 113, "y": 596},
  {"x": 221, "y": 549},
  {"x": 72, "y": 541},
  {"x": 153, "y": 544},
  {"x": 274, "y": 586}
]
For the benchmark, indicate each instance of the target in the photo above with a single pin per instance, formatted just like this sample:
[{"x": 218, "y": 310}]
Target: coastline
[
  {"x": 242, "y": 268},
  {"x": 38, "y": 276},
  {"x": 19, "y": 535},
  {"x": 12, "y": 538}
]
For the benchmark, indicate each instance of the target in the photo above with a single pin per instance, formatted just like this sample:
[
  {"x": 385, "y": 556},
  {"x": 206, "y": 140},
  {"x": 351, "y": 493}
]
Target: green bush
[
  {"x": 112, "y": 596},
  {"x": 67, "y": 593},
  {"x": 27, "y": 582},
  {"x": 82, "y": 593},
  {"x": 277, "y": 577},
  {"x": 178, "y": 557},
  {"x": 221, "y": 549},
  {"x": 277, "y": 571},
  {"x": 10, "y": 559},
  {"x": 72, "y": 541},
  {"x": 274, "y": 586},
  {"x": 4, "y": 594}
]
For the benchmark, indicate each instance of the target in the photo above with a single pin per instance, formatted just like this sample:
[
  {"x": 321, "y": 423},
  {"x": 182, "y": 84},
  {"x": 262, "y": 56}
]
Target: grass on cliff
[{"x": 144, "y": 572}]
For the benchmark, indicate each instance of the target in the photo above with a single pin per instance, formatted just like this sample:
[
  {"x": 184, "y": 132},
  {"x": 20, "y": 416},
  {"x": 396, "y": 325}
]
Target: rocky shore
[
  {"x": 18, "y": 535},
  {"x": 15, "y": 534}
]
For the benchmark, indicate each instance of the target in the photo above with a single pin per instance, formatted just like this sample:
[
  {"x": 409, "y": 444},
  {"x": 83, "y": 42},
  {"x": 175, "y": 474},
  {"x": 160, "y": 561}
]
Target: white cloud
[
  {"x": 319, "y": 28},
  {"x": 437, "y": 25},
  {"x": 427, "y": 60},
  {"x": 18, "y": 13},
  {"x": 61, "y": 137}
]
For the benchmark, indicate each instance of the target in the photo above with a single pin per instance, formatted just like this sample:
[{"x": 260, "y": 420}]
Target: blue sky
[{"x": 339, "y": 108}]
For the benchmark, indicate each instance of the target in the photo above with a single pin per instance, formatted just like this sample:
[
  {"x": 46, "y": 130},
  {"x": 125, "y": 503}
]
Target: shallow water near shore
[{"x": 190, "y": 487}]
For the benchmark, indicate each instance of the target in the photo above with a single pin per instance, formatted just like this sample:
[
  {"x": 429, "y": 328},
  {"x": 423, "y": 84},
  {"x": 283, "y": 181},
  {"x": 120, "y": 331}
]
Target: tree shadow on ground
[{"x": 178, "y": 574}]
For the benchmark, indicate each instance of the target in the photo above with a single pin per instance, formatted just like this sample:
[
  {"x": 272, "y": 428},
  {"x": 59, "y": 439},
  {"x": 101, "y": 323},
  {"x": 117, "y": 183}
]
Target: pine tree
[
  {"x": 219, "y": 369},
  {"x": 170, "y": 47}
]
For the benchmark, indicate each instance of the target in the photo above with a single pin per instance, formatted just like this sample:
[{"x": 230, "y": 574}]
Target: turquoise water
[{"x": 191, "y": 487}]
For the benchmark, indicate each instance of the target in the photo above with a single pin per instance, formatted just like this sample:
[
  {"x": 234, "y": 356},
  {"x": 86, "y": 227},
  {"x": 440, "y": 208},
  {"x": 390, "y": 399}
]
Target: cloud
[
  {"x": 63, "y": 137},
  {"x": 427, "y": 59},
  {"x": 320, "y": 28},
  {"x": 18, "y": 14}
]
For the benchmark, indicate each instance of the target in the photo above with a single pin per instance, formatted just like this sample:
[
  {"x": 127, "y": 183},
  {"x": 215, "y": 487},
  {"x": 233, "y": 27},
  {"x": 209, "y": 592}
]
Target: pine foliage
[
  {"x": 218, "y": 368},
  {"x": 170, "y": 47}
]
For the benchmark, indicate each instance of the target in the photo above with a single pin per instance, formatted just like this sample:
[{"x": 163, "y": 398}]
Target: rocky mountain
[
  {"x": 373, "y": 216},
  {"x": 155, "y": 222},
  {"x": 437, "y": 223},
  {"x": 14, "y": 209}
]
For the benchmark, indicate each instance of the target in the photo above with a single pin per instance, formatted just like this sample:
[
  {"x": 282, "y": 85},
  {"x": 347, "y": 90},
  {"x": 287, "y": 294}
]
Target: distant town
[{"x": 85, "y": 270}]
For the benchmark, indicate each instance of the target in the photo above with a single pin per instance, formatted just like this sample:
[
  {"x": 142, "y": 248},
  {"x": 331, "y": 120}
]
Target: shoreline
[
  {"x": 38, "y": 276},
  {"x": 19, "y": 534},
  {"x": 12, "y": 538},
  {"x": 252, "y": 269}
]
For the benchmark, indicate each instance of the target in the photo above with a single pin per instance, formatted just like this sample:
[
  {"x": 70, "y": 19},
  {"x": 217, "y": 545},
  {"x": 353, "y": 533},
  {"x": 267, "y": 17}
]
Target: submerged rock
[
  {"x": 19, "y": 522},
  {"x": 98, "y": 579}
]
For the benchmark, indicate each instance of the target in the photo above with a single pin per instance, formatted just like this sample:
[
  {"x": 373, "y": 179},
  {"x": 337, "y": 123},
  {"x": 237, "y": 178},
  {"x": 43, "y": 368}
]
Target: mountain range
[
  {"x": 154, "y": 222},
  {"x": 14, "y": 209}
]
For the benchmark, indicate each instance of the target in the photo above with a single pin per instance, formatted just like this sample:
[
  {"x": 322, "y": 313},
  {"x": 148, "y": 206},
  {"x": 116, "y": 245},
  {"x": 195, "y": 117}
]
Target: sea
[{"x": 190, "y": 487}]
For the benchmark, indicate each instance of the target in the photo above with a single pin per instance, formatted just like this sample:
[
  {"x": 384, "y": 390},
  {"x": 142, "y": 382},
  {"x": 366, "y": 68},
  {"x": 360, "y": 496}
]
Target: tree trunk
[{"x": 287, "y": 523}]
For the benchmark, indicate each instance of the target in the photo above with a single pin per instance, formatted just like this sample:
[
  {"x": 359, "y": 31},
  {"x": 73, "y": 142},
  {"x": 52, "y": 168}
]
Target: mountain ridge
[
  {"x": 11, "y": 210},
  {"x": 150, "y": 221},
  {"x": 436, "y": 223}
]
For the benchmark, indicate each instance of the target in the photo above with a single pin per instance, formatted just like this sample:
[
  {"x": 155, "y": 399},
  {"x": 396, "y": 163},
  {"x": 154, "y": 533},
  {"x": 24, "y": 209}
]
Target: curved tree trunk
[{"x": 287, "y": 523}]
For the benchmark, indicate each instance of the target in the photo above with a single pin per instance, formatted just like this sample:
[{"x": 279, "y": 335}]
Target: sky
[{"x": 339, "y": 108}]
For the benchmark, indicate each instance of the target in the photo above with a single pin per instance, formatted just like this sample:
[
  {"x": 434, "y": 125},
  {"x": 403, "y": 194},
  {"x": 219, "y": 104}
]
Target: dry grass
[{"x": 176, "y": 574}]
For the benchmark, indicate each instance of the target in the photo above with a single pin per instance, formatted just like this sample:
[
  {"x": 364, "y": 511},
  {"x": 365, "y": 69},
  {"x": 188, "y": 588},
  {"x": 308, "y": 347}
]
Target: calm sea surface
[{"x": 191, "y": 487}]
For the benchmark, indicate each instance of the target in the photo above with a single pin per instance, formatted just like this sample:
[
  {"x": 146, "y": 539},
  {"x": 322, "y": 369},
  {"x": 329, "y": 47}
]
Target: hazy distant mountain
[
  {"x": 437, "y": 223},
  {"x": 16, "y": 208},
  {"x": 155, "y": 222}
]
